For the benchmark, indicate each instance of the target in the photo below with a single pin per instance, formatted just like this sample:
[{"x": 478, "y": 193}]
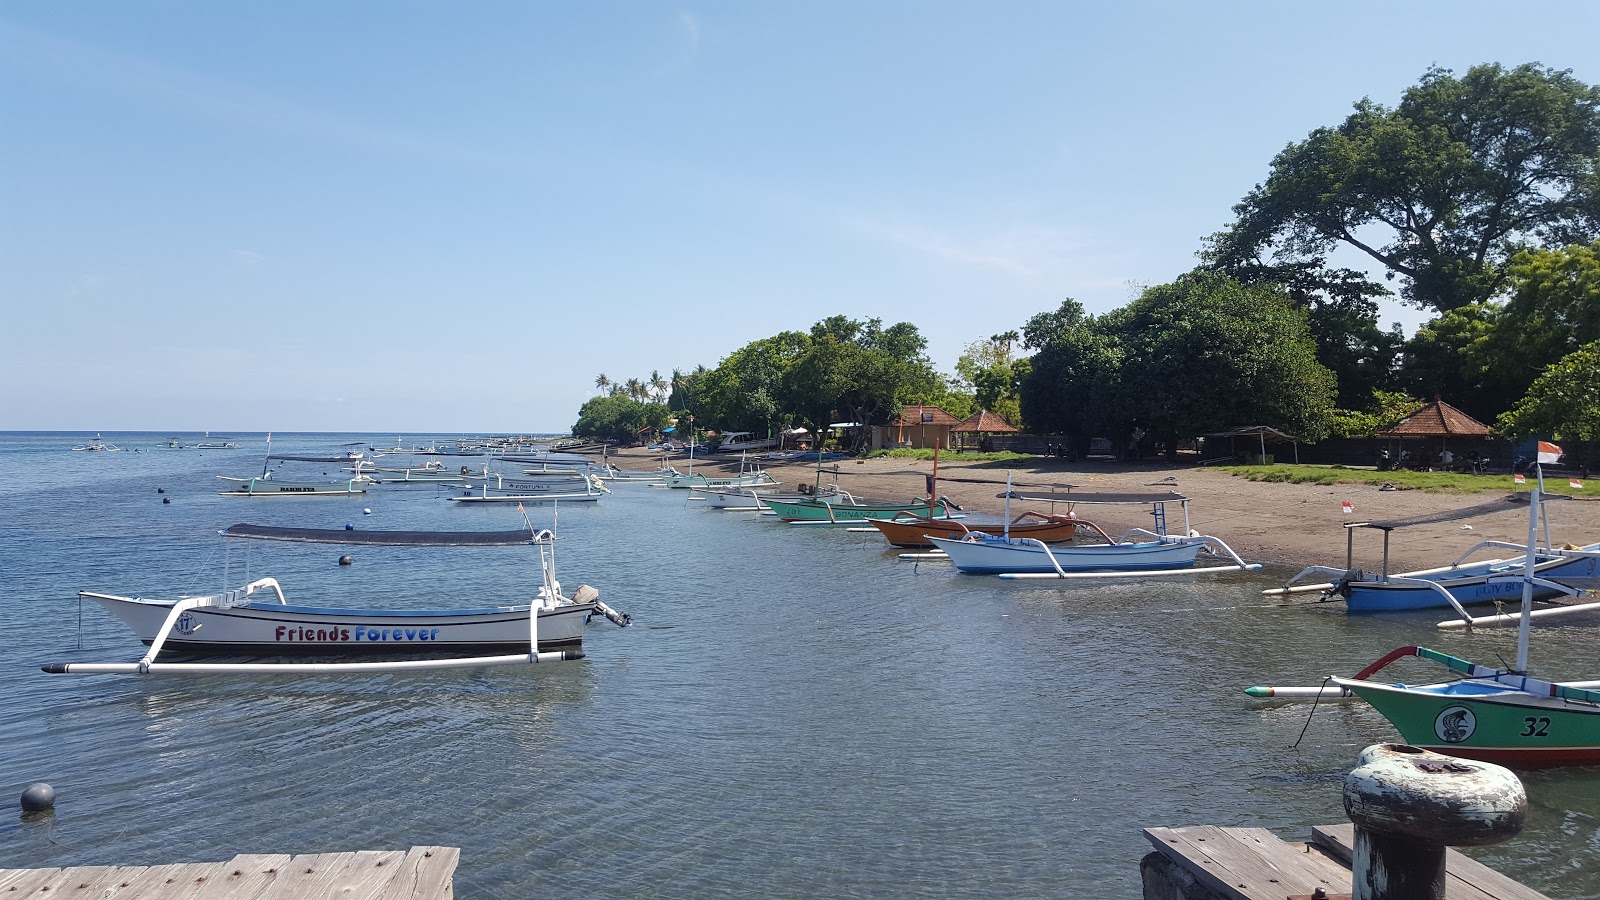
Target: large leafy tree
[
  {"x": 1440, "y": 190},
  {"x": 1563, "y": 403},
  {"x": 1206, "y": 353},
  {"x": 989, "y": 368},
  {"x": 745, "y": 392},
  {"x": 1064, "y": 386}
]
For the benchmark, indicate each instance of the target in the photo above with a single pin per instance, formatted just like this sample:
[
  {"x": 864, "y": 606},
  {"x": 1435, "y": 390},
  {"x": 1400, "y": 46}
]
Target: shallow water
[{"x": 796, "y": 712}]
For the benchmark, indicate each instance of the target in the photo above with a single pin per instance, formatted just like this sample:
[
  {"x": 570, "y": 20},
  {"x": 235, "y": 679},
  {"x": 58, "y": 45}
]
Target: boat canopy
[
  {"x": 1452, "y": 515},
  {"x": 381, "y": 538},
  {"x": 1055, "y": 497}
]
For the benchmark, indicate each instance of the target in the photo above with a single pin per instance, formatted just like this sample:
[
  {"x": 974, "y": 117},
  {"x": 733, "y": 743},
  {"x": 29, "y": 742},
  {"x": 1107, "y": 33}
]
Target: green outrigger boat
[
  {"x": 1496, "y": 715},
  {"x": 844, "y": 509}
]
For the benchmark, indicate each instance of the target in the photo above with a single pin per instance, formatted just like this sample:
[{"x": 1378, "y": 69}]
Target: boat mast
[
  {"x": 1008, "y": 505},
  {"x": 1534, "y": 499}
]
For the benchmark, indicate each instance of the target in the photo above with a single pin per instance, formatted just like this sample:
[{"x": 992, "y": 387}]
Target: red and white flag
[
  {"x": 1348, "y": 507},
  {"x": 1549, "y": 454},
  {"x": 1519, "y": 479},
  {"x": 1574, "y": 484}
]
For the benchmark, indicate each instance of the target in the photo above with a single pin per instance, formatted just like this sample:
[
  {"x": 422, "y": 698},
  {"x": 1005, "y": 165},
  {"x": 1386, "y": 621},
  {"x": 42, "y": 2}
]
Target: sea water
[{"x": 795, "y": 712}]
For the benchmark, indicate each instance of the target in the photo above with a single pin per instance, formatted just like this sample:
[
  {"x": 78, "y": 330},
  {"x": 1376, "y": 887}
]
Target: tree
[
  {"x": 1563, "y": 403},
  {"x": 989, "y": 370},
  {"x": 603, "y": 383},
  {"x": 1441, "y": 190},
  {"x": 1063, "y": 387},
  {"x": 1206, "y": 353},
  {"x": 616, "y": 417},
  {"x": 1554, "y": 307},
  {"x": 658, "y": 386},
  {"x": 1453, "y": 356}
]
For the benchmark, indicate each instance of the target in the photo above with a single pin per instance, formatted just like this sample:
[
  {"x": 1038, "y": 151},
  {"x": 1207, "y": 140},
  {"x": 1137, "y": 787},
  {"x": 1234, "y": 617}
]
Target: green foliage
[
  {"x": 988, "y": 367},
  {"x": 1564, "y": 404},
  {"x": 1206, "y": 353},
  {"x": 1384, "y": 411},
  {"x": 1063, "y": 387},
  {"x": 1432, "y": 482},
  {"x": 1458, "y": 176},
  {"x": 1455, "y": 356},
  {"x": 618, "y": 417}
]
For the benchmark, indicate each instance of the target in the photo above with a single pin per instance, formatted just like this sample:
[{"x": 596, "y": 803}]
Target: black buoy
[
  {"x": 161, "y": 490},
  {"x": 166, "y": 499},
  {"x": 348, "y": 526},
  {"x": 345, "y": 560},
  {"x": 38, "y": 797}
]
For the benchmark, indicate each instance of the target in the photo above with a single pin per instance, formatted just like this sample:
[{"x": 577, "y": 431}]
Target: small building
[
  {"x": 1442, "y": 433},
  {"x": 977, "y": 427},
  {"x": 916, "y": 426}
]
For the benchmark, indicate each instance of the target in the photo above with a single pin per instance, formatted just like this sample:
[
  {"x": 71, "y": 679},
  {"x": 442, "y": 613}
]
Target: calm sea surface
[{"x": 795, "y": 713}]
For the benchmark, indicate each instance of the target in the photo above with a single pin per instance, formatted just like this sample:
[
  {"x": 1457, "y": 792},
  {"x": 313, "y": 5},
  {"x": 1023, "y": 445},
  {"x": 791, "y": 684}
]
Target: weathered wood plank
[
  {"x": 423, "y": 873},
  {"x": 21, "y": 882},
  {"x": 1465, "y": 877},
  {"x": 431, "y": 873},
  {"x": 1249, "y": 863},
  {"x": 251, "y": 876}
]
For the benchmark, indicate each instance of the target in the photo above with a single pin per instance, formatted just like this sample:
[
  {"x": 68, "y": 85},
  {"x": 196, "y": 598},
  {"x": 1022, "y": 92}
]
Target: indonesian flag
[
  {"x": 1575, "y": 484},
  {"x": 1347, "y": 507},
  {"x": 1548, "y": 453},
  {"x": 1519, "y": 479}
]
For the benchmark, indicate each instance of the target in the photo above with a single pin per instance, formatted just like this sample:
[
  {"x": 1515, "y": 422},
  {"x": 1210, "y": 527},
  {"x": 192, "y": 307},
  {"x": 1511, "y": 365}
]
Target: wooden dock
[
  {"x": 422, "y": 873},
  {"x": 1205, "y": 861}
]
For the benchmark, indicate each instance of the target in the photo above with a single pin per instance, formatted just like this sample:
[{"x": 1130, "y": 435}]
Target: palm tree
[
  {"x": 658, "y": 386},
  {"x": 602, "y": 382},
  {"x": 634, "y": 388}
]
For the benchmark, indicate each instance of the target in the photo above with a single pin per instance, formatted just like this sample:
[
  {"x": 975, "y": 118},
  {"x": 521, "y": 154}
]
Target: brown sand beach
[{"x": 1288, "y": 525}]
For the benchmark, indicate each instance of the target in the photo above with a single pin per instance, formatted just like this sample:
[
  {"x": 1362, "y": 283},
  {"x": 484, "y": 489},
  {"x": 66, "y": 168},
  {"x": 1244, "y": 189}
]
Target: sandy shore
[{"x": 1288, "y": 525}]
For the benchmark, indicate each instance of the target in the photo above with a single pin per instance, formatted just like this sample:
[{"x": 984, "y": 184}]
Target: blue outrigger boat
[{"x": 1459, "y": 584}]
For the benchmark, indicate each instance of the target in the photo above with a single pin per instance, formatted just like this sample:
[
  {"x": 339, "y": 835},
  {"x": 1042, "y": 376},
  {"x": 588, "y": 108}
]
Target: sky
[{"x": 428, "y": 217}]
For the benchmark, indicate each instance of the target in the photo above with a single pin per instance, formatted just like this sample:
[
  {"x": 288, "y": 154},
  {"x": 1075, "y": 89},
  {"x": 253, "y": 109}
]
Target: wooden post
[{"x": 1409, "y": 804}]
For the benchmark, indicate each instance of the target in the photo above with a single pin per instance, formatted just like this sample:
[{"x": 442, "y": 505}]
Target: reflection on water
[{"x": 797, "y": 711}]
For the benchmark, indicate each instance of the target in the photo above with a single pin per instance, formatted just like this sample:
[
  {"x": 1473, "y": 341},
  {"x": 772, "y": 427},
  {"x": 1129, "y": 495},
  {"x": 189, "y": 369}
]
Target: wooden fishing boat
[
  {"x": 535, "y": 490},
  {"x": 1499, "y": 715},
  {"x": 844, "y": 508},
  {"x": 272, "y": 487},
  {"x": 911, "y": 530},
  {"x": 242, "y": 623},
  {"x": 1139, "y": 551},
  {"x": 1461, "y": 583}
]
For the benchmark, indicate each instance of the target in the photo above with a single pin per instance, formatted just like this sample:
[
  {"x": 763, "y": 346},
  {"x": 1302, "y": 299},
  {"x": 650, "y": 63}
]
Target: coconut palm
[
  {"x": 658, "y": 386},
  {"x": 634, "y": 388},
  {"x": 602, "y": 382}
]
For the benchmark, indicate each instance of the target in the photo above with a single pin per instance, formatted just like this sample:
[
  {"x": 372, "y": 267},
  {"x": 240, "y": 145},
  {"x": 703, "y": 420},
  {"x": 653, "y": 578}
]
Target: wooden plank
[
  {"x": 90, "y": 881},
  {"x": 148, "y": 881},
  {"x": 431, "y": 874},
  {"x": 1465, "y": 877},
  {"x": 1248, "y": 863},
  {"x": 250, "y": 876},
  {"x": 21, "y": 882},
  {"x": 423, "y": 873}
]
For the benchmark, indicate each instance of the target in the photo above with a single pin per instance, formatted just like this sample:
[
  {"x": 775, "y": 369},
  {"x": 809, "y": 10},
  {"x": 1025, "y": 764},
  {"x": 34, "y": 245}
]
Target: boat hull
[
  {"x": 274, "y": 629},
  {"x": 1488, "y": 722},
  {"x": 994, "y": 556},
  {"x": 267, "y": 487},
  {"x": 843, "y": 512},
  {"x": 912, "y": 533},
  {"x": 1481, "y": 583}
]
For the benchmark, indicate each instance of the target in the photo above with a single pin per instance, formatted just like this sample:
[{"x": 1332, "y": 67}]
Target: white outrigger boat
[
  {"x": 579, "y": 489},
  {"x": 233, "y": 623},
  {"x": 1139, "y": 552}
]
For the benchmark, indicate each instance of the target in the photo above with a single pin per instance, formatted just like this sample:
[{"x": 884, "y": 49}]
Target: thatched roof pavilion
[{"x": 1437, "y": 419}]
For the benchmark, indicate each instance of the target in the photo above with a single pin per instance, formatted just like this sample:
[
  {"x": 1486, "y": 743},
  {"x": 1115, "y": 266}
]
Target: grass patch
[{"x": 1436, "y": 482}]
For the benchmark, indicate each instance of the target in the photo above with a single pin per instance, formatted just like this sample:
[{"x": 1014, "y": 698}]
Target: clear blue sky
[{"x": 419, "y": 217}]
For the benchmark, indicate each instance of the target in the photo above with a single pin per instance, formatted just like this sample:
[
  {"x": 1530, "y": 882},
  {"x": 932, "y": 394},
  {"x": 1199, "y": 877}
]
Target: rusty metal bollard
[{"x": 1409, "y": 804}]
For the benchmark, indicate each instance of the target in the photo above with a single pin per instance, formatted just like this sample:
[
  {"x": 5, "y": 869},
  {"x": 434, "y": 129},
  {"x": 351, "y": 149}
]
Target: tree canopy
[
  {"x": 1563, "y": 403},
  {"x": 1443, "y": 189}
]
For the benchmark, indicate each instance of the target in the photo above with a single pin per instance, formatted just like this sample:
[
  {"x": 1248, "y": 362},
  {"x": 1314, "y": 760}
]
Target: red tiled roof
[
  {"x": 1437, "y": 419},
  {"x": 918, "y": 415},
  {"x": 984, "y": 422}
]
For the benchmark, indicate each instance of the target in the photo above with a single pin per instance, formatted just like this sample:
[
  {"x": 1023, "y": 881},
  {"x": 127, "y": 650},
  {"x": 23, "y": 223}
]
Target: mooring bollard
[{"x": 1409, "y": 804}]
